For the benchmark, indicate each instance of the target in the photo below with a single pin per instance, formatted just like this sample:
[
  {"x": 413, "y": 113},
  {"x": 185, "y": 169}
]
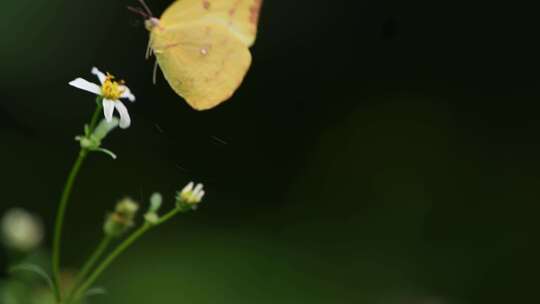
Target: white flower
[
  {"x": 21, "y": 230},
  {"x": 111, "y": 91},
  {"x": 192, "y": 194}
]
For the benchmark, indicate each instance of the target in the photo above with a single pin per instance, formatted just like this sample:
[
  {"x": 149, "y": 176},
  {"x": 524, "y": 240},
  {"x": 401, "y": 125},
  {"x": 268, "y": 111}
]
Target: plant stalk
[
  {"x": 119, "y": 250},
  {"x": 62, "y": 206}
]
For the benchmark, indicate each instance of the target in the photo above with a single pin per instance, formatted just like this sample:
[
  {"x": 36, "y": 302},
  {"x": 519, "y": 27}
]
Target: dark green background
[{"x": 377, "y": 152}]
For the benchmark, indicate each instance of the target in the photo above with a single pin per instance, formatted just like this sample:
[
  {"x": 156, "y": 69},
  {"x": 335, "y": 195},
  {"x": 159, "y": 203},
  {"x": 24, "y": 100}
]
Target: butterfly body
[{"x": 202, "y": 47}]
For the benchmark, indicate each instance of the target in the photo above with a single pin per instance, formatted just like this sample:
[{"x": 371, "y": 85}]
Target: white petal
[
  {"x": 200, "y": 195},
  {"x": 197, "y": 189},
  {"x": 85, "y": 85},
  {"x": 127, "y": 93},
  {"x": 108, "y": 109},
  {"x": 187, "y": 188},
  {"x": 125, "y": 120},
  {"x": 99, "y": 74}
]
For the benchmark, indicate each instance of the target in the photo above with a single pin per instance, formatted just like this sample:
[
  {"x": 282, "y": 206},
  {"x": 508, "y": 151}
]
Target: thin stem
[
  {"x": 95, "y": 117},
  {"x": 168, "y": 216},
  {"x": 89, "y": 264},
  {"x": 119, "y": 250},
  {"x": 60, "y": 221},
  {"x": 64, "y": 199}
]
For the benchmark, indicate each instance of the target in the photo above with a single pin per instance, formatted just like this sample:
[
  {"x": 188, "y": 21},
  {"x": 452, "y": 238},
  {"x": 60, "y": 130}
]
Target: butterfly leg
[
  {"x": 154, "y": 74},
  {"x": 149, "y": 49}
]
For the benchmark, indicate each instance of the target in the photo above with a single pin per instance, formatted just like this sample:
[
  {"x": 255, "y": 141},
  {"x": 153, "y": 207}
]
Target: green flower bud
[
  {"x": 104, "y": 128},
  {"x": 151, "y": 215},
  {"x": 93, "y": 141},
  {"x": 119, "y": 221},
  {"x": 155, "y": 202}
]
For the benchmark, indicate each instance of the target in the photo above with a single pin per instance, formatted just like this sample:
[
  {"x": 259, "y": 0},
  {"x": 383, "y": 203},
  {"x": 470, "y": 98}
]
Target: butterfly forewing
[
  {"x": 203, "y": 62},
  {"x": 240, "y": 16}
]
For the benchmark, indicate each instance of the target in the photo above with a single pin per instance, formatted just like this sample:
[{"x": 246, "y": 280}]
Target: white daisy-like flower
[
  {"x": 112, "y": 91},
  {"x": 192, "y": 194}
]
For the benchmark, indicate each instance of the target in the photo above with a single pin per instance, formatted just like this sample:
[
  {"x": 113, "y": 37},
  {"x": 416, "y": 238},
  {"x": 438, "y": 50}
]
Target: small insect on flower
[
  {"x": 21, "y": 230},
  {"x": 111, "y": 91}
]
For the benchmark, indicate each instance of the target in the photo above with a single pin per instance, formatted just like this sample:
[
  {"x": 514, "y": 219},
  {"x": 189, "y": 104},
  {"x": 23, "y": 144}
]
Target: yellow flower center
[{"x": 112, "y": 89}]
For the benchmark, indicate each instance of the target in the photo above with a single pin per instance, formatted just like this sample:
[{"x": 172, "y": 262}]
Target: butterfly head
[{"x": 151, "y": 23}]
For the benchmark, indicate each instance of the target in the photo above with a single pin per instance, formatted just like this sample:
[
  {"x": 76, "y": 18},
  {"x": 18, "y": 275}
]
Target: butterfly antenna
[
  {"x": 146, "y": 8},
  {"x": 139, "y": 11}
]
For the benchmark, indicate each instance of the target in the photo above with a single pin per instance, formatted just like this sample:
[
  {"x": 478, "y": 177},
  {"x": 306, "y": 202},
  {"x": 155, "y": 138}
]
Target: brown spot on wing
[
  {"x": 206, "y": 4},
  {"x": 234, "y": 8},
  {"x": 254, "y": 12}
]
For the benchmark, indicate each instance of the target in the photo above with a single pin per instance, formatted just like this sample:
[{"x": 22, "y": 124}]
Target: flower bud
[
  {"x": 119, "y": 221},
  {"x": 151, "y": 215},
  {"x": 92, "y": 142},
  {"x": 155, "y": 202},
  {"x": 21, "y": 230},
  {"x": 104, "y": 127},
  {"x": 190, "y": 196}
]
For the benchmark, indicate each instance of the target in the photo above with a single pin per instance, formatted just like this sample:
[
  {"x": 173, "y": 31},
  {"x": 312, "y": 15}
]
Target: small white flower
[
  {"x": 21, "y": 230},
  {"x": 111, "y": 91},
  {"x": 192, "y": 194}
]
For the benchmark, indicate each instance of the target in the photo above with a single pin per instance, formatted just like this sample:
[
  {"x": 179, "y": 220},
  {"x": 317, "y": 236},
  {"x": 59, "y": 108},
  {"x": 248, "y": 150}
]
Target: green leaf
[
  {"x": 108, "y": 152},
  {"x": 36, "y": 270}
]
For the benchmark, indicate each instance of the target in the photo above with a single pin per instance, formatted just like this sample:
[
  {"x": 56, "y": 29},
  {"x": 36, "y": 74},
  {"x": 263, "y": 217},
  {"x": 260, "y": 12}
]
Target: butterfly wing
[
  {"x": 240, "y": 16},
  {"x": 203, "y": 62}
]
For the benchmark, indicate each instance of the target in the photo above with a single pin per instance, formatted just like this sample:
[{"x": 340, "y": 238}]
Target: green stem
[
  {"x": 95, "y": 117},
  {"x": 168, "y": 216},
  {"x": 89, "y": 264},
  {"x": 98, "y": 252},
  {"x": 64, "y": 199},
  {"x": 60, "y": 221},
  {"x": 119, "y": 250}
]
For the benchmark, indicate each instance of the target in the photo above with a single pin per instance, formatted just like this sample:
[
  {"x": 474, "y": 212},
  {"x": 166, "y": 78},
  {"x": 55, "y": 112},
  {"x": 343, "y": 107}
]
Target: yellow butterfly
[{"x": 202, "y": 47}]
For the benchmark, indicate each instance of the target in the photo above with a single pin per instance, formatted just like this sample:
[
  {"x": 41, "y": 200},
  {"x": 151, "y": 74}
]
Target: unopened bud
[
  {"x": 104, "y": 127},
  {"x": 119, "y": 221},
  {"x": 92, "y": 142},
  {"x": 151, "y": 215},
  {"x": 155, "y": 202}
]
